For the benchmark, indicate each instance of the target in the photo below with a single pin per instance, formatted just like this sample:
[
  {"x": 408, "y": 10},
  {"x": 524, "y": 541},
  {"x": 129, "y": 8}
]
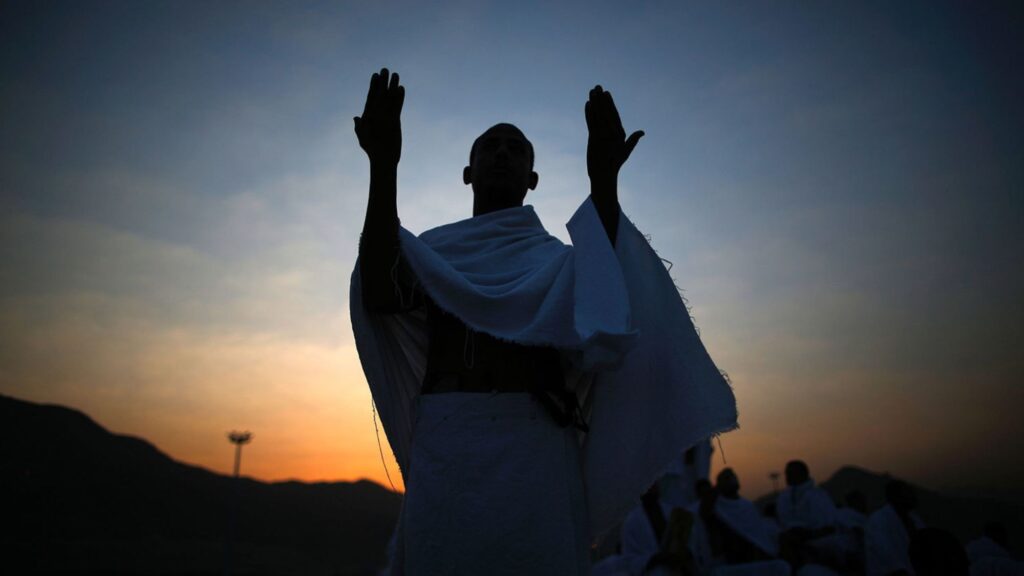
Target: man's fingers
[
  {"x": 385, "y": 92},
  {"x": 598, "y": 116},
  {"x": 596, "y": 121},
  {"x": 632, "y": 141},
  {"x": 396, "y": 94},
  {"x": 393, "y": 91},
  {"x": 399, "y": 99},
  {"x": 587, "y": 114},
  {"x": 614, "y": 122},
  {"x": 390, "y": 93},
  {"x": 370, "y": 95}
]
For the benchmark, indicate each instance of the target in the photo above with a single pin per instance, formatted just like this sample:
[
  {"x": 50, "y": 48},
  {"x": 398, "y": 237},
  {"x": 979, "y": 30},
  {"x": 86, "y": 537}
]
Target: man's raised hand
[
  {"x": 607, "y": 147},
  {"x": 379, "y": 129}
]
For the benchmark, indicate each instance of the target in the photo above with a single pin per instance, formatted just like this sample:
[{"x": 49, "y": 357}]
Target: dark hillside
[{"x": 76, "y": 497}]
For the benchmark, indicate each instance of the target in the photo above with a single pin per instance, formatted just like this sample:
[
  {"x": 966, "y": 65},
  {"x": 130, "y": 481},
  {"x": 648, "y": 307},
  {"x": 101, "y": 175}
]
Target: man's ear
[
  {"x": 467, "y": 176},
  {"x": 532, "y": 183}
]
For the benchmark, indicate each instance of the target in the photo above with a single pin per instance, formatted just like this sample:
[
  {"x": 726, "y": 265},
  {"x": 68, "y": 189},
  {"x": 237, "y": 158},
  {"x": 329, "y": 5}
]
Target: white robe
[
  {"x": 650, "y": 388},
  {"x": 847, "y": 543},
  {"x": 886, "y": 542},
  {"x": 805, "y": 506},
  {"x": 744, "y": 519},
  {"x": 639, "y": 543},
  {"x": 677, "y": 484},
  {"x": 850, "y": 518},
  {"x": 494, "y": 479}
]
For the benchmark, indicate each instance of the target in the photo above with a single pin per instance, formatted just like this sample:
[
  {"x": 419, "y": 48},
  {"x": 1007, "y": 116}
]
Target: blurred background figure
[
  {"x": 739, "y": 533},
  {"x": 888, "y": 532},
  {"x": 806, "y": 517},
  {"x": 681, "y": 476},
  {"x": 849, "y": 538},
  {"x": 655, "y": 541}
]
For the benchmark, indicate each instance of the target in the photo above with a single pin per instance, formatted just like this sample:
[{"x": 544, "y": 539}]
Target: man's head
[
  {"x": 797, "y": 473},
  {"x": 728, "y": 483},
  {"x": 500, "y": 169}
]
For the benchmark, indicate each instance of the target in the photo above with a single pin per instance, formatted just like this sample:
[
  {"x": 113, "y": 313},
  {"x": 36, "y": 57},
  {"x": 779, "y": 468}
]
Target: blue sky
[{"x": 838, "y": 187}]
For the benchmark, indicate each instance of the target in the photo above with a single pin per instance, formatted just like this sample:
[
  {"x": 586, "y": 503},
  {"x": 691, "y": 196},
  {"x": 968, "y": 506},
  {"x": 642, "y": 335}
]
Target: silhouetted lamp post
[{"x": 238, "y": 439}]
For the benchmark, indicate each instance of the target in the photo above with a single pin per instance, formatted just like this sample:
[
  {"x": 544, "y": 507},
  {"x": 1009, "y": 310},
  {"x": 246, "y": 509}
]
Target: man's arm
[
  {"x": 379, "y": 131},
  {"x": 607, "y": 150}
]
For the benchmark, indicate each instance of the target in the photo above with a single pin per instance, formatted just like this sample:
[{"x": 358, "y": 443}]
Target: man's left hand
[{"x": 607, "y": 147}]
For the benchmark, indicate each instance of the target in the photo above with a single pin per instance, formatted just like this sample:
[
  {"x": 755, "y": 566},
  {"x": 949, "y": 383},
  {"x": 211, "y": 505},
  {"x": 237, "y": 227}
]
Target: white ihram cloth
[
  {"x": 614, "y": 311},
  {"x": 849, "y": 518},
  {"x": 518, "y": 508},
  {"x": 805, "y": 506},
  {"x": 886, "y": 542},
  {"x": 640, "y": 543},
  {"x": 743, "y": 518},
  {"x": 677, "y": 484}
]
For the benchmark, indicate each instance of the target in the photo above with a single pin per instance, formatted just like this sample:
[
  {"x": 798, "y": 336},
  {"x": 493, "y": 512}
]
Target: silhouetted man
[
  {"x": 742, "y": 531},
  {"x": 482, "y": 339},
  {"x": 677, "y": 484},
  {"x": 806, "y": 515},
  {"x": 850, "y": 521},
  {"x": 804, "y": 508},
  {"x": 889, "y": 530},
  {"x": 655, "y": 540}
]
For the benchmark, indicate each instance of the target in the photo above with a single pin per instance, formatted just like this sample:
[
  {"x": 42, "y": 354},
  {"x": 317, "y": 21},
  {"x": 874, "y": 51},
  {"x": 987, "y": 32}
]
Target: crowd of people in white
[{"x": 685, "y": 525}]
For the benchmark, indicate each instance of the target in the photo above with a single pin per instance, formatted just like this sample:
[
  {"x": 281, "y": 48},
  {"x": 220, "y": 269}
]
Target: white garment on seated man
[
  {"x": 744, "y": 519},
  {"x": 886, "y": 542},
  {"x": 805, "y": 506}
]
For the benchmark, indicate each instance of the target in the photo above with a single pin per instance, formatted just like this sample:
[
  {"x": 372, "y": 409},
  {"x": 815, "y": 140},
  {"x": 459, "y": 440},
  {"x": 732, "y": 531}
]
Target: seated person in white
[
  {"x": 807, "y": 516},
  {"x": 738, "y": 530},
  {"x": 888, "y": 532}
]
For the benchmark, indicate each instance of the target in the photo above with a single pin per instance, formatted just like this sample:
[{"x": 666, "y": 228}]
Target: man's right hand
[{"x": 379, "y": 129}]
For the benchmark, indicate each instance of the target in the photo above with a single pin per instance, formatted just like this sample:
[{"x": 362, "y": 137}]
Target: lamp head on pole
[{"x": 240, "y": 437}]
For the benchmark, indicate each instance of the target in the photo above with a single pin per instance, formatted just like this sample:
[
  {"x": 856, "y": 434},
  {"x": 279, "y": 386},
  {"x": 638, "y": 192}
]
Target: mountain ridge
[{"x": 74, "y": 492}]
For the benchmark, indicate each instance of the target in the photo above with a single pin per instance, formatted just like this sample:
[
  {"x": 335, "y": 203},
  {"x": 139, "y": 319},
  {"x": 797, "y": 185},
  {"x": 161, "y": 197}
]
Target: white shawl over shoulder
[{"x": 613, "y": 311}]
